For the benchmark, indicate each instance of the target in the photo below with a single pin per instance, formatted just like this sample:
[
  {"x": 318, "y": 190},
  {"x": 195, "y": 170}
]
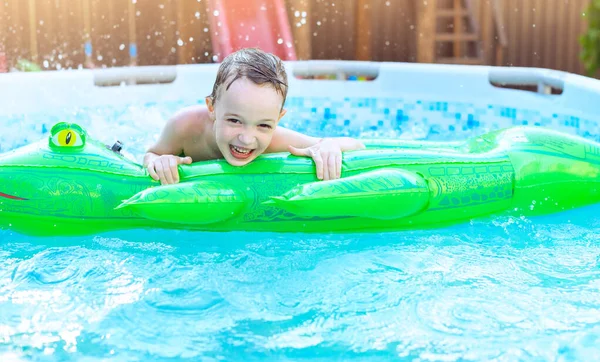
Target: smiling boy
[{"x": 240, "y": 122}]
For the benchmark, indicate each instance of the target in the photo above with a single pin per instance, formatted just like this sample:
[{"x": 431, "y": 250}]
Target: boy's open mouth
[{"x": 240, "y": 152}]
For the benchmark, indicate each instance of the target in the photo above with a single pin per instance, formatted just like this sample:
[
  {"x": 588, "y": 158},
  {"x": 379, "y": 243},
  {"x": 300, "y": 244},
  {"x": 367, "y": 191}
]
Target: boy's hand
[
  {"x": 327, "y": 155},
  {"x": 164, "y": 168}
]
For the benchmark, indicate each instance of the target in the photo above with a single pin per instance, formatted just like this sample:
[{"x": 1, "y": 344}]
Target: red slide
[{"x": 236, "y": 24}]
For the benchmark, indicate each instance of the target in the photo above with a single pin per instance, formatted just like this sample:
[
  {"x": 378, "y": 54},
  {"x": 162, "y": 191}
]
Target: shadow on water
[{"x": 574, "y": 226}]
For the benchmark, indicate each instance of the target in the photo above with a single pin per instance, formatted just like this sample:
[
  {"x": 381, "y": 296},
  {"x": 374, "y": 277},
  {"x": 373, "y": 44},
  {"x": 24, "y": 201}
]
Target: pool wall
[{"x": 406, "y": 100}]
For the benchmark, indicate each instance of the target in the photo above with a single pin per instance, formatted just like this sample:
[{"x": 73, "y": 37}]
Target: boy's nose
[{"x": 247, "y": 137}]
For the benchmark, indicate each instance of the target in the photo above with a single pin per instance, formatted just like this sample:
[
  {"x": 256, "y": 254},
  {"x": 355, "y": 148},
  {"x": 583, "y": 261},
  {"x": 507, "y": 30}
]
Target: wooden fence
[{"x": 53, "y": 33}]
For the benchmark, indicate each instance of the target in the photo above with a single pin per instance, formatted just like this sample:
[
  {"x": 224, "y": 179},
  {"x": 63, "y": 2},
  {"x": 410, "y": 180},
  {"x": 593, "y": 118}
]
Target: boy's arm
[
  {"x": 162, "y": 159},
  {"x": 283, "y": 138},
  {"x": 326, "y": 152}
]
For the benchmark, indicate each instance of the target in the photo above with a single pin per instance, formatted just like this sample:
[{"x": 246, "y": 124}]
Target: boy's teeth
[{"x": 240, "y": 150}]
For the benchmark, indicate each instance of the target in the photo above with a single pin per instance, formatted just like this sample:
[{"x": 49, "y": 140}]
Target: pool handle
[{"x": 544, "y": 79}]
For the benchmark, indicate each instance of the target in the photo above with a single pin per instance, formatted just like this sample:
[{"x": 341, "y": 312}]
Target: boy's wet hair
[{"x": 256, "y": 65}]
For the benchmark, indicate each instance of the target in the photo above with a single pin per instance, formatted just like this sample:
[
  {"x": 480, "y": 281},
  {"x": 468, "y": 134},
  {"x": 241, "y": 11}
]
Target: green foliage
[
  {"x": 25, "y": 65},
  {"x": 590, "y": 41}
]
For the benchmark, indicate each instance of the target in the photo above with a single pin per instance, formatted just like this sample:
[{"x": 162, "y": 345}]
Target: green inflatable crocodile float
[{"x": 71, "y": 184}]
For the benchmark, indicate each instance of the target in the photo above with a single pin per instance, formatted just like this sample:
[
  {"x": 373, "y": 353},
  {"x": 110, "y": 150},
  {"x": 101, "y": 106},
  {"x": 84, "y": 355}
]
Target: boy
[{"x": 240, "y": 122}]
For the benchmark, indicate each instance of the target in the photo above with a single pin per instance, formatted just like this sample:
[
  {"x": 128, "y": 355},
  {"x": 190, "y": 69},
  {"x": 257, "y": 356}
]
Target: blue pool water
[{"x": 511, "y": 289}]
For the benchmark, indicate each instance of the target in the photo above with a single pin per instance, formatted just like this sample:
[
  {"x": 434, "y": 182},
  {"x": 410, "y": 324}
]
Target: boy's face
[{"x": 245, "y": 118}]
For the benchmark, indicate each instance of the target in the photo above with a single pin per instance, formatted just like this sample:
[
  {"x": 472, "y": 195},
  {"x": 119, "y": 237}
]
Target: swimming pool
[{"x": 515, "y": 288}]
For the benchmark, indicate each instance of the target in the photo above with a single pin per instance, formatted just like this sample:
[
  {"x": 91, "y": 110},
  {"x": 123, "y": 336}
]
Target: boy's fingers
[
  {"x": 187, "y": 160},
  {"x": 338, "y": 166},
  {"x": 331, "y": 165},
  {"x": 161, "y": 172},
  {"x": 299, "y": 151},
  {"x": 319, "y": 165},
  {"x": 174, "y": 170},
  {"x": 167, "y": 171},
  {"x": 152, "y": 172},
  {"x": 325, "y": 167}
]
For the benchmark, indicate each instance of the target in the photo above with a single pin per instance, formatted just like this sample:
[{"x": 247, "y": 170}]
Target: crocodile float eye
[
  {"x": 64, "y": 135},
  {"x": 68, "y": 138}
]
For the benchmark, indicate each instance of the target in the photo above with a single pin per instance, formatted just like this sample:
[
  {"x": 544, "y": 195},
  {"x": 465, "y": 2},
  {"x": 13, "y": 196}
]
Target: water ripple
[{"x": 502, "y": 291}]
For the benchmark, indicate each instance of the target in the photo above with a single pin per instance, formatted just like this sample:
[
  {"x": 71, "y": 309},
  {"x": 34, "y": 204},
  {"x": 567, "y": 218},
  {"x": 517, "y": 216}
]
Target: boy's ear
[
  {"x": 209, "y": 104},
  {"x": 282, "y": 113},
  {"x": 211, "y": 107}
]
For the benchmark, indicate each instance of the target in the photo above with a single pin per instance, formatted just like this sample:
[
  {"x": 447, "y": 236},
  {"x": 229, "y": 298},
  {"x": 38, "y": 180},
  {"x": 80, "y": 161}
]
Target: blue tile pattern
[
  {"x": 421, "y": 119},
  {"x": 366, "y": 117}
]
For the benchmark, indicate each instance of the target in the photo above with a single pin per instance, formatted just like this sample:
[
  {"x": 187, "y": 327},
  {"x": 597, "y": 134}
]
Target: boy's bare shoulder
[
  {"x": 190, "y": 120},
  {"x": 192, "y": 130}
]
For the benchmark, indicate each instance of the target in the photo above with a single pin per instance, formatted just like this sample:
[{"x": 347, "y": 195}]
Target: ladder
[{"x": 466, "y": 43}]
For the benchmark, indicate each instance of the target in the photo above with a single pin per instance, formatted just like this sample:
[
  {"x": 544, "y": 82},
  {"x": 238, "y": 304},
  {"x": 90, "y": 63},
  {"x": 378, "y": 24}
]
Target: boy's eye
[
  {"x": 264, "y": 125},
  {"x": 233, "y": 120}
]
